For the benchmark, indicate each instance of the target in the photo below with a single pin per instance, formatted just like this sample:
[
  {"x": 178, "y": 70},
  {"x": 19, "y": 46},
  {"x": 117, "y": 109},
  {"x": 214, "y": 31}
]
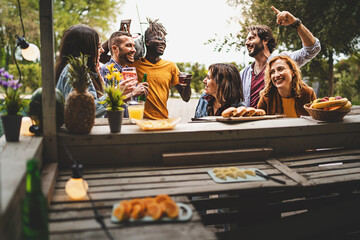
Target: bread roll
[
  {"x": 240, "y": 111},
  {"x": 249, "y": 112},
  {"x": 229, "y": 112},
  {"x": 259, "y": 112}
]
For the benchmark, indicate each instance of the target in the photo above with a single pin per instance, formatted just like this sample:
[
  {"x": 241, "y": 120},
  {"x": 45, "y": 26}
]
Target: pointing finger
[{"x": 275, "y": 9}]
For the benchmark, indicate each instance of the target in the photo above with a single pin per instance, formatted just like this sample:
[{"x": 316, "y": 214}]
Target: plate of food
[
  {"x": 235, "y": 174},
  {"x": 161, "y": 124},
  {"x": 244, "y": 114},
  {"x": 150, "y": 209}
]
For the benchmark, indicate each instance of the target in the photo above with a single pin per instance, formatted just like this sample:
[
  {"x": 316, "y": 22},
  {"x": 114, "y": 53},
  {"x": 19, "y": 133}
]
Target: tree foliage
[
  {"x": 348, "y": 78},
  {"x": 94, "y": 13},
  {"x": 335, "y": 22}
]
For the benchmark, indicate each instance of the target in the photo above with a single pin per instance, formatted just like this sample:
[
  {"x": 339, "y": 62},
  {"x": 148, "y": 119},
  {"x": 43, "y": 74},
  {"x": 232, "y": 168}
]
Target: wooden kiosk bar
[{"x": 320, "y": 163}]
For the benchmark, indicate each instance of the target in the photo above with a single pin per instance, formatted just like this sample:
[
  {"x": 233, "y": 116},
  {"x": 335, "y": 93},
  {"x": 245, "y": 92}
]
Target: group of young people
[{"x": 272, "y": 83}]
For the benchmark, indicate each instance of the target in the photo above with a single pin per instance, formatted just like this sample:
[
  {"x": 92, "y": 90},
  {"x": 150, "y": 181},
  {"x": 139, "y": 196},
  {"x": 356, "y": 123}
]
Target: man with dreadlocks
[{"x": 160, "y": 73}]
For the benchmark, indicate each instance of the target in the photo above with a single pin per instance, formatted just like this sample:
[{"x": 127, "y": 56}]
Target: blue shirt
[{"x": 65, "y": 88}]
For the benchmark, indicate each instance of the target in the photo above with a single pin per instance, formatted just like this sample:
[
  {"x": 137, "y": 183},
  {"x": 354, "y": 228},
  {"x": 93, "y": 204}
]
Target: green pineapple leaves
[{"x": 79, "y": 77}]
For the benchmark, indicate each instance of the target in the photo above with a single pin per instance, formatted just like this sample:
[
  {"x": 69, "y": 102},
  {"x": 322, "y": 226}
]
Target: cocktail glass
[{"x": 183, "y": 76}]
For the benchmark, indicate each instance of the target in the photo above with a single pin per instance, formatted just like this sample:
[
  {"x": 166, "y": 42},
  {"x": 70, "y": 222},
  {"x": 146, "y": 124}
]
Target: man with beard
[
  {"x": 260, "y": 43},
  {"x": 122, "y": 49},
  {"x": 161, "y": 74}
]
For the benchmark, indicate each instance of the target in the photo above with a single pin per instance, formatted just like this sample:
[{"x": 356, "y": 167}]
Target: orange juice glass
[{"x": 136, "y": 109}]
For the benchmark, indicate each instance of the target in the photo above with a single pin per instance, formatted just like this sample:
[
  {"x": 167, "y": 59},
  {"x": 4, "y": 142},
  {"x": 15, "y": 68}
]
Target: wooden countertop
[{"x": 134, "y": 146}]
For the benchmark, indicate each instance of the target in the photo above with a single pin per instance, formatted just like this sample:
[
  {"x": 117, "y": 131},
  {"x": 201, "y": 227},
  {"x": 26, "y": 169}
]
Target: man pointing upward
[{"x": 260, "y": 44}]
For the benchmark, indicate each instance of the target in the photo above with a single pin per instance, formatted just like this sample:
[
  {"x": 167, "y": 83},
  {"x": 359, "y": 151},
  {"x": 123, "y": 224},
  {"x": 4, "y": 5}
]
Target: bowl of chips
[{"x": 161, "y": 124}]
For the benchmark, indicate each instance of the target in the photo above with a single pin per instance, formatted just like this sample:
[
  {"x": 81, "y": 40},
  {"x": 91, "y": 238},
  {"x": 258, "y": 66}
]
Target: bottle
[
  {"x": 143, "y": 97},
  {"x": 34, "y": 206}
]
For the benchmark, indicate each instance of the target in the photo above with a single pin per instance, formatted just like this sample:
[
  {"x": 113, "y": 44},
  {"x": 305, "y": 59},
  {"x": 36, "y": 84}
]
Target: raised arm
[{"x": 285, "y": 18}]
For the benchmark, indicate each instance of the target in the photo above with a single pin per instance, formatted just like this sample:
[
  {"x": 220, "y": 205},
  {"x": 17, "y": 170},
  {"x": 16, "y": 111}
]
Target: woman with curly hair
[{"x": 285, "y": 92}]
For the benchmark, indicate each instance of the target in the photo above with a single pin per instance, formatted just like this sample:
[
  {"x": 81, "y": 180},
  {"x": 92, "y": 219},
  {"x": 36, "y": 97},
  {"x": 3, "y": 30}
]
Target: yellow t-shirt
[
  {"x": 159, "y": 76},
  {"x": 288, "y": 105}
]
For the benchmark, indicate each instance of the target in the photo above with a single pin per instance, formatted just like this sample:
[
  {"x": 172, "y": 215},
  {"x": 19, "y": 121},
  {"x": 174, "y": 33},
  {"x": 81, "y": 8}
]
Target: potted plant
[
  {"x": 114, "y": 99},
  {"x": 12, "y": 105}
]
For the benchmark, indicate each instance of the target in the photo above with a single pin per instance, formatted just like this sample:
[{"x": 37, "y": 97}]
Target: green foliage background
[
  {"x": 94, "y": 13},
  {"x": 336, "y": 23}
]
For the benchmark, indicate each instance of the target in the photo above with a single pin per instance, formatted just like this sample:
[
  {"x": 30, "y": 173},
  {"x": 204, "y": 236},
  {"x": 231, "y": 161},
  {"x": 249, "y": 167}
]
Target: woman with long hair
[
  {"x": 285, "y": 92},
  {"x": 81, "y": 39},
  {"x": 223, "y": 89}
]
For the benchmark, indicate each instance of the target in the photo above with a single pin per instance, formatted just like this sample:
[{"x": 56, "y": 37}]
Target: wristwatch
[{"x": 296, "y": 24}]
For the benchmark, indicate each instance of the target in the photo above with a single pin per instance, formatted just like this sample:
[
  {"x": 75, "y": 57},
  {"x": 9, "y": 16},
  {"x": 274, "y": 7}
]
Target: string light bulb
[
  {"x": 29, "y": 51},
  {"x": 76, "y": 187}
]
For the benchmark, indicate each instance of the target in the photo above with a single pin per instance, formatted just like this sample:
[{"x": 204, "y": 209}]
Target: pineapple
[{"x": 79, "y": 113}]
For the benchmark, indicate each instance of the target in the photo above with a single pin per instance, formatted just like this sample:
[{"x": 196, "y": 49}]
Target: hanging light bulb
[
  {"x": 76, "y": 187},
  {"x": 29, "y": 51}
]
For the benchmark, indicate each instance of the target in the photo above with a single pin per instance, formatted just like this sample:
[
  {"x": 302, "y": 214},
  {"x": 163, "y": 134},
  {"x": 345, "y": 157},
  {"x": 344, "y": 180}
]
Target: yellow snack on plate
[
  {"x": 249, "y": 172},
  {"x": 231, "y": 174},
  {"x": 216, "y": 170},
  {"x": 232, "y": 169},
  {"x": 225, "y": 171},
  {"x": 160, "y": 124},
  {"x": 220, "y": 175},
  {"x": 240, "y": 173}
]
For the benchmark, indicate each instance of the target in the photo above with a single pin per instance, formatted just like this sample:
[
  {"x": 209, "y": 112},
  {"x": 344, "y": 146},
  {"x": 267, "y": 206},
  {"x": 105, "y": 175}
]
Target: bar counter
[
  {"x": 133, "y": 146},
  {"x": 319, "y": 163}
]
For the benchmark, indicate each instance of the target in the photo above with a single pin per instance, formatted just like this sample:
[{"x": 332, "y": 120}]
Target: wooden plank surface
[
  {"x": 224, "y": 156},
  {"x": 76, "y": 221},
  {"x": 71, "y": 219},
  {"x": 290, "y": 173},
  {"x": 309, "y": 187},
  {"x": 48, "y": 177},
  {"x": 13, "y": 158}
]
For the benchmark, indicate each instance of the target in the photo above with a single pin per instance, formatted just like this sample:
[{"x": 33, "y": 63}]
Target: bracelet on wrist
[{"x": 296, "y": 24}]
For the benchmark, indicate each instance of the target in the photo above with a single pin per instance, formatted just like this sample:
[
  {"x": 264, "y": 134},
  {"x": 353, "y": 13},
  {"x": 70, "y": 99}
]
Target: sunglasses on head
[{"x": 158, "y": 38}]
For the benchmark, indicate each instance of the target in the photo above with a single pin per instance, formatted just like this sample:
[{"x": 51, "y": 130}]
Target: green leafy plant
[
  {"x": 79, "y": 77},
  {"x": 13, "y": 102},
  {"x": 114, "y": 94},
  {"x": 30, "y": 76}
]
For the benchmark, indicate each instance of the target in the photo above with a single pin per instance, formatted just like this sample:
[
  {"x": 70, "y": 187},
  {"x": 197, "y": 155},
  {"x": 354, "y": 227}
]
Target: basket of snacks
[{"x": 331, "y": 109}]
